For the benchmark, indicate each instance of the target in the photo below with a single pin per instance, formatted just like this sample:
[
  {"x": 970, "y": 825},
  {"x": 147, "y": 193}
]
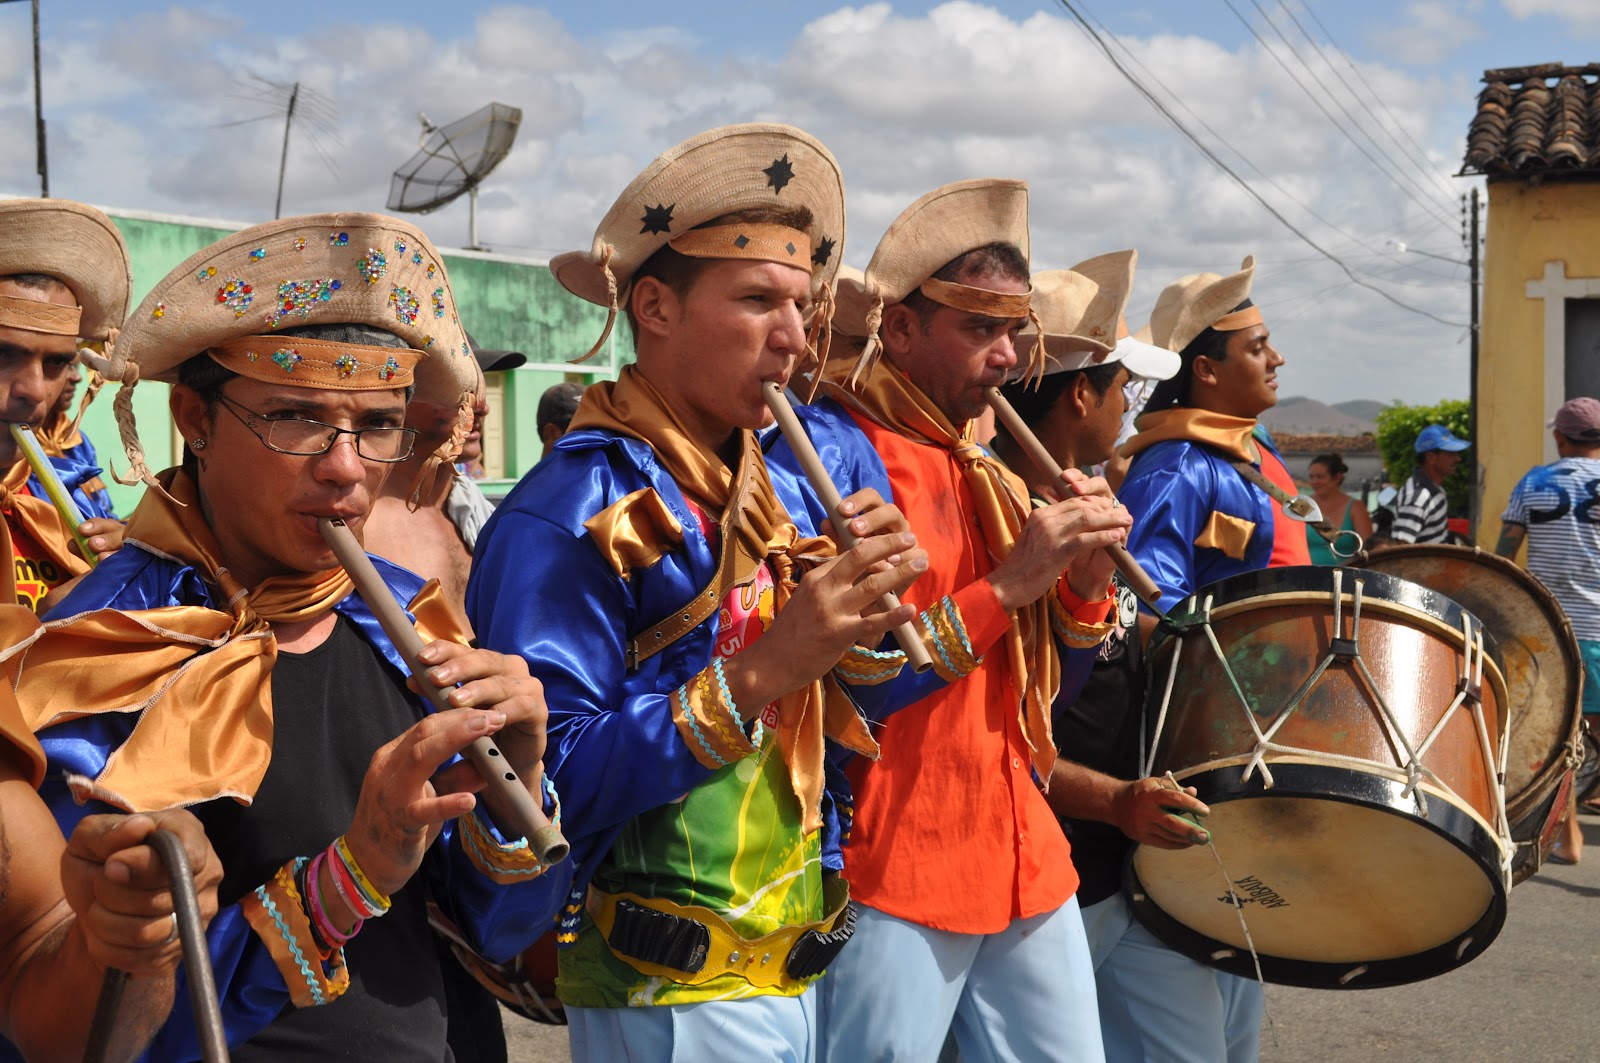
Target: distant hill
[
  {"x": 1300, "y": 416},
  {"x": 1362, "y": 409}
]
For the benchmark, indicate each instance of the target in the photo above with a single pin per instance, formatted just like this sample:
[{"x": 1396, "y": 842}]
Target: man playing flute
[
  {"x": 235, "y": 672},
  {"x": 692, "y": 677},
  {"x": 965, "y": 880}
]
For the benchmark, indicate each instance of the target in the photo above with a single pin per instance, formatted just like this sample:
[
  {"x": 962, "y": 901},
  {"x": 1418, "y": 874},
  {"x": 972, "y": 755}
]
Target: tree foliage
[{"x": 1398, "y": 428}]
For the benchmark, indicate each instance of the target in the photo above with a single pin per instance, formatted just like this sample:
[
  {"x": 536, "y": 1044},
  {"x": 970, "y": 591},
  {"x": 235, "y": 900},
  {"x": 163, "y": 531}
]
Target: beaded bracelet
[{"x": 373, "y": 902}]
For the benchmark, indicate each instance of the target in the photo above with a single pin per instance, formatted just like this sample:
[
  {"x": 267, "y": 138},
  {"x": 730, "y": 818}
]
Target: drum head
[
  {"x": 1338, "y": 891},
  {"x": 1541, "y": 664}
]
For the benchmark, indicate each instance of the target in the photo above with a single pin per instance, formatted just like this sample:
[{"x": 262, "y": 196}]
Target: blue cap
[{"x": 1438, "y": 437}]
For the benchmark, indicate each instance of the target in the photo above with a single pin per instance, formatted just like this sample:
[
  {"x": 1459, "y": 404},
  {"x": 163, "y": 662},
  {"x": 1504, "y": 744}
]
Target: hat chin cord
[{"x": 611, "y": 315}]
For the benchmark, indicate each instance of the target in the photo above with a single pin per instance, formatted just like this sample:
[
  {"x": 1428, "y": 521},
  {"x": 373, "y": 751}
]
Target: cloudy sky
[{"x": 150, "y": 105}]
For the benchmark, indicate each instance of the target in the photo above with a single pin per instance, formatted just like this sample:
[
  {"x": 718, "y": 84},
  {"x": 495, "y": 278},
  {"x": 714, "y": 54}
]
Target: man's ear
[
  {"x": 1204, "y": 371},
  {"x": 1084, "y": 396},
  {"x": 656, "y": 307},
  {"x": 900, "y": 323},
  {"x": 189, "y": 413}
]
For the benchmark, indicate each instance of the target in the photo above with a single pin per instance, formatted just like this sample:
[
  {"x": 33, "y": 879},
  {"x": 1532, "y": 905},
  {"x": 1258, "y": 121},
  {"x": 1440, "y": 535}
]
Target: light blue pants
[
  {"x": 1159, "y": 1006},
  {"x": 753, "y": 1030},
  {"x": 1023, "y": 995}
]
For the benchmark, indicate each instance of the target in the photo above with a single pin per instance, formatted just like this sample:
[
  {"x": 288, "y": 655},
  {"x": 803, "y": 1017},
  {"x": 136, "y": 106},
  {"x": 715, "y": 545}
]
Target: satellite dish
[{"x": 453, "y": 159}]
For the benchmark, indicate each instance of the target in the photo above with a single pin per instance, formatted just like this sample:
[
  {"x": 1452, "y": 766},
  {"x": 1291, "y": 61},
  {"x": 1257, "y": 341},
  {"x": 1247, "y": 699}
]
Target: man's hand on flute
[
  {"x": 836, "y": 606},
  {"x": 1069, "y": 536},
  {"x": 104, "y": 535}
]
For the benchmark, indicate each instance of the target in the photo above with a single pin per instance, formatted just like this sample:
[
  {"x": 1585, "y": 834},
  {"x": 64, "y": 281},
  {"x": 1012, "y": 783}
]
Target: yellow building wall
[{"x": 1528, "y": 225}]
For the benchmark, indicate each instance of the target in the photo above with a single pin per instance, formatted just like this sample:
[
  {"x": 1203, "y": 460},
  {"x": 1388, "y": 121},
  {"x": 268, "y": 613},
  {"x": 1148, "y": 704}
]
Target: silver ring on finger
[{"x": 173, "y": 934}]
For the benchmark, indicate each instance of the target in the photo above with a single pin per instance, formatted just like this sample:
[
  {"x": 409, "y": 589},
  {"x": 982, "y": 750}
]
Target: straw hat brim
[
  {"x": 79, "y": 246},
  {"x": 1190, "y": 305},
  {"x": 944, "y": 225}
]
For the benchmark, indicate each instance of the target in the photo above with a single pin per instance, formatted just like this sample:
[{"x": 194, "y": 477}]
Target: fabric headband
[
  {"x": 309, "y": 363},
  {"x": 1250, "y": 315},
  {"x": 758, "y": 242},
  {"x": 978, "y": 300},
  {"x": 30, "y": 315}
]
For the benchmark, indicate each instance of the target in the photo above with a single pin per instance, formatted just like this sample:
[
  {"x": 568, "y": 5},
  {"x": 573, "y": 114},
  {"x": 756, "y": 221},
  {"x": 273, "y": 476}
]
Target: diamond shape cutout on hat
[
  {"x": 657, "y": 219},
  {"x": 741, "y": 241},
  {"x": 824, "y": 251},
  {"x": 780, "y": 173},
  {"x": 789, "y": 247}
]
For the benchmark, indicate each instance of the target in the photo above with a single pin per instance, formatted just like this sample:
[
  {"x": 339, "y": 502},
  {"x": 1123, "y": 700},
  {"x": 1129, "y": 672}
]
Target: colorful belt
[{"x": 690, "y": 944}]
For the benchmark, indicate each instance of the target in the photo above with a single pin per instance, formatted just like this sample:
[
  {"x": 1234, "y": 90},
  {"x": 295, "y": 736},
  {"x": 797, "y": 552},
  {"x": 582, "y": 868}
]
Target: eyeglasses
[{"x": 304, "y": 437}]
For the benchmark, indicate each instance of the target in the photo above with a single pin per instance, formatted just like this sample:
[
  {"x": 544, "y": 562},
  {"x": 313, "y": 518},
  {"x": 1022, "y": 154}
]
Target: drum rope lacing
[{"x": 1348, "y": 649}]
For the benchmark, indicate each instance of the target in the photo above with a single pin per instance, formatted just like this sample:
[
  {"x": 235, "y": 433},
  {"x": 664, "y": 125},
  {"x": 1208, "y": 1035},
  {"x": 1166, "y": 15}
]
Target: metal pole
[
  {"x": 472, "y": 218},
  {"x": 42, "y": 163},
  {"x": 1473, "y": 261},
  {"x": 283, "y": 162}
]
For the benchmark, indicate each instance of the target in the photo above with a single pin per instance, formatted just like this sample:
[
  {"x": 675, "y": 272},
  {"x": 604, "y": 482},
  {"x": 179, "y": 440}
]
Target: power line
[
  {"x": 1241, "y": 182},
  {"x": 1412, "y": 150},
  {"x": 1443, "y": 218}
]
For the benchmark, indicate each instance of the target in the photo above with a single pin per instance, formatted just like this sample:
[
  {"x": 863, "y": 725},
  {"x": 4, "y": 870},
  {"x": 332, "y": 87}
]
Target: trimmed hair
[
  {"x": 1033, "y": 404},
  {"x": 38, "y": 282},
  {"x": 991, "y": 260},
  {"x": 679, "y": 271},
  {"x": 1211, "y": 344},
  {"x": 1333, "y": 462}
]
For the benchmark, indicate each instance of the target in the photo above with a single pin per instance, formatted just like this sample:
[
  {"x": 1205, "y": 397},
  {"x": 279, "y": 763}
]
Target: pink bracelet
[{"x": 319, "y": 914}]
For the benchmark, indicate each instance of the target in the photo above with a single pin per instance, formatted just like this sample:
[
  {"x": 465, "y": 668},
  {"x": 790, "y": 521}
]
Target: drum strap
[{"x": 1291, "y": 505}]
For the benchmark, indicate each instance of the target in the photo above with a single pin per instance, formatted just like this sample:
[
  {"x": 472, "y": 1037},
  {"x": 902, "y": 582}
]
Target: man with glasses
[{"x": 235, "y": 672}]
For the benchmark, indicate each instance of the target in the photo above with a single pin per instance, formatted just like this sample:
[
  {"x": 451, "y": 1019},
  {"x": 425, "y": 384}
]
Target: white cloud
[
  {"x": 906, "y": 103},
  {"x": 1430, "y": 30},
  {"x": 1576, "y": 10}
]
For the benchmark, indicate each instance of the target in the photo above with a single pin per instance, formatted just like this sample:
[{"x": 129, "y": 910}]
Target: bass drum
[
  {"x": 1543, "y": 672},
  {"x": 1346, "y": 729}
]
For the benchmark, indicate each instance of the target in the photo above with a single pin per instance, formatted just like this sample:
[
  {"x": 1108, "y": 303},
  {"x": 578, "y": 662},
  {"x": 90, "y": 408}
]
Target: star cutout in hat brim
[
  {"x": 657, "y": 219},
  {"x": 824, "y": 251},
  {"x": 779, "y": 174}
]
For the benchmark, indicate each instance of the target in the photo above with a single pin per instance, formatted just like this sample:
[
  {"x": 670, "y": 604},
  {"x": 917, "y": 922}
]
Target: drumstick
[
  {"x": 60, "y": 497},
  {"x": 906, "y": 634},
  {"x": 525, "y": 814},
  {"x": 1131, "y": 570}
]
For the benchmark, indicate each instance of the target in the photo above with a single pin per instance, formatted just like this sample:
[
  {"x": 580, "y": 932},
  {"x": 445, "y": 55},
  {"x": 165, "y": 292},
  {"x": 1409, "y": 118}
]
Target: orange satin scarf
[
  {"x": 40, "y": 520},
  {"x": 888, "y": 397},
  {"x": 761, "y": 531},
  {"x": 198, "y": 679},
  {"x": 1230, "y": 435}
]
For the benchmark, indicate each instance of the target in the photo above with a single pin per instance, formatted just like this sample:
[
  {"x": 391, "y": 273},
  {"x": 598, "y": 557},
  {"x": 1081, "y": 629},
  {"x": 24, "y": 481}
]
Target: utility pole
[
  {"x": 283, "y": 162},
  {"x": 1471, "y": 206},
  {"x": 41, "y": 163}
]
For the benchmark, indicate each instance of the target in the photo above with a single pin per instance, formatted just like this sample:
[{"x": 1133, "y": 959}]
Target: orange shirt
[
  {"x": 1288, "y": 537},
  {"x": 950, "y": 830}
]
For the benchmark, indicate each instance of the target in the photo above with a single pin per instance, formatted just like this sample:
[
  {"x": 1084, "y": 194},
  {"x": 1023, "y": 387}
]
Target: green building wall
[{"x": 505, "y": 302}]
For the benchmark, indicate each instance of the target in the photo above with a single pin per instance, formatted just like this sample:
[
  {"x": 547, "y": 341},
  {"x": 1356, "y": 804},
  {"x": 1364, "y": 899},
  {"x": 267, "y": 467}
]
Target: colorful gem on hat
[
  {"x": 236, "y": 295},
  {"x": 259, "y": 253},
  {"x": 206, "y": 274},
  {"x": 438, "y": 302},
  {"x": 780, "y": 173},
  {"x": 399, "y": 247},
  {"x": 388, "y": 369},
  {"x": 287, "y": 360},
  {"x": 338, "y": 239},
  {"x": 373, "y": 265},
  {"x": 657, "y": 219},
  {"x": 252, "y": 355},
  {"x": 298, "y": 297},
  {"x": 427, "y": 343},
  {"x": 824, "y": 251},
  {"x": 431, "y": 269},
  {"x": 405, "y": 305},
  {"x": 347, "y": 365},
  {"x": 416, "y": 260},
  {"x": 160, "y": 311},
  {"x": 466, "y": 351},
  {"x": 300, "y": 243}
]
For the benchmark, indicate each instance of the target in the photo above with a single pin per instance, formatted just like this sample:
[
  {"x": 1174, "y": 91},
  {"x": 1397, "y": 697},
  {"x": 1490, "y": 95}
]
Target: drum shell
[
  {"x": 1543, "y": 672},
  {"x": 1276, "y": 628}
]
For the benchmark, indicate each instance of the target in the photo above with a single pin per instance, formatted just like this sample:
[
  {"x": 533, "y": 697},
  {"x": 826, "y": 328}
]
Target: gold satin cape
[
  {"x": 761, "y": 531},
  {"x": 198, "y": 679},
  {"x": 888, "y": 397}
]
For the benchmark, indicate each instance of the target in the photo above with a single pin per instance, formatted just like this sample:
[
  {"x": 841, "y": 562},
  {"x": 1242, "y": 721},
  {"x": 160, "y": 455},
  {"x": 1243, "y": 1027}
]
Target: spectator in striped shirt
[
  {"x": 1556, "y": 508},
  {"x": 1421, "y": 510}
]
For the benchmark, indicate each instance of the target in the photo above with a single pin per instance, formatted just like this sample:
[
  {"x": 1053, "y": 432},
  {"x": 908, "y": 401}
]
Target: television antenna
[
  {"x": 453, "y": 159},
  {"x": 300, "y": 106}
]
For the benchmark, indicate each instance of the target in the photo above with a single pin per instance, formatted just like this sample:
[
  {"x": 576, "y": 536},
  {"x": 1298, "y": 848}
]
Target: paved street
[{"x": 1534, "y": 995}]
